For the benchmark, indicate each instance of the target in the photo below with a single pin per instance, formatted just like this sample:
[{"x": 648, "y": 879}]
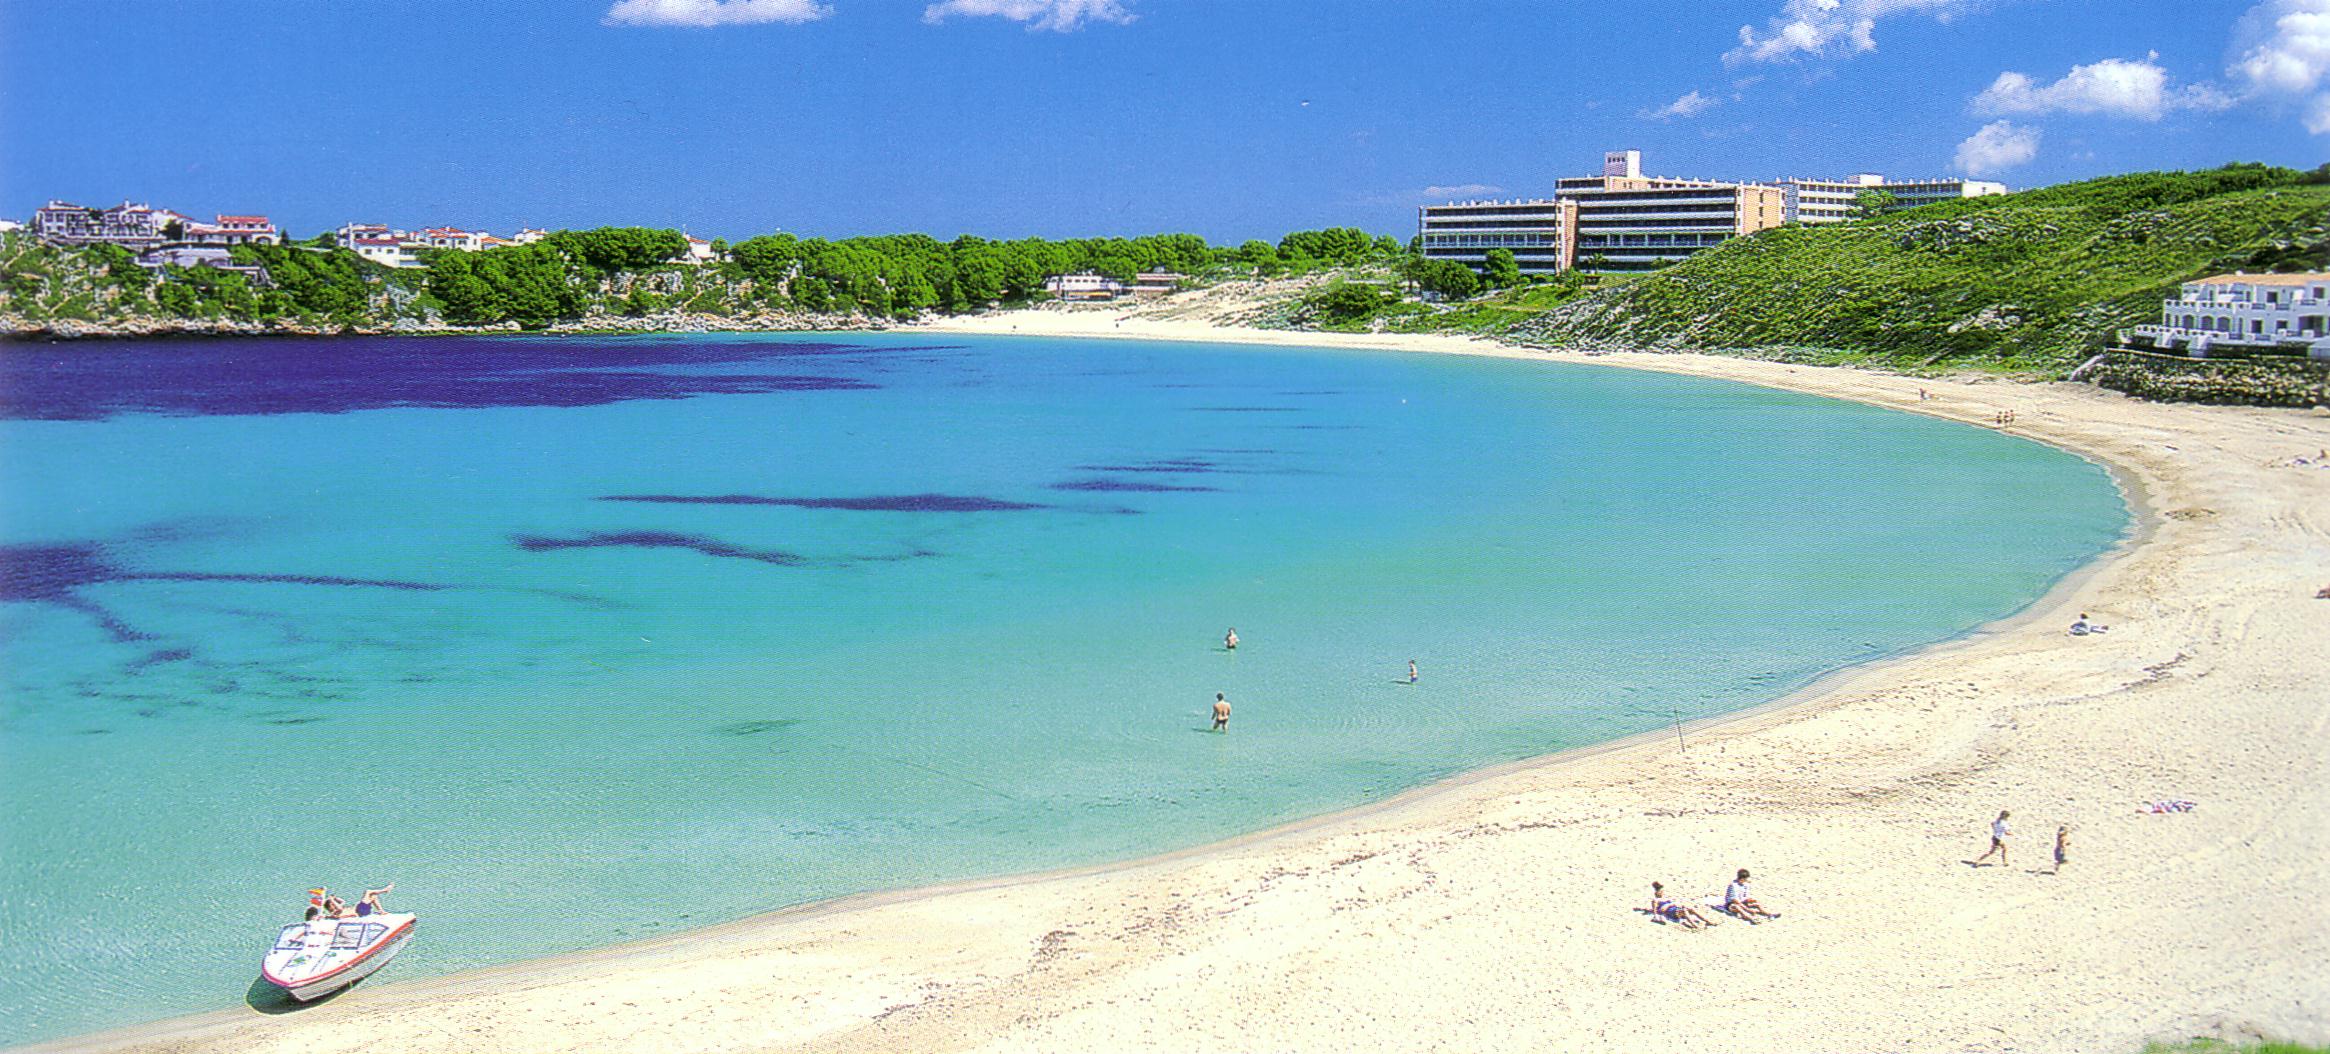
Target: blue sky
[{"x": 1229, "y": 118}]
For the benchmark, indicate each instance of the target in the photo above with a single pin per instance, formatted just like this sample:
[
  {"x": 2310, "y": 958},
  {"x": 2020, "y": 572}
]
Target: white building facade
[
  {"x": 2287, "y": 314},
  {"x": 1624, "y": 220},
  {"x": 1838, "y": 200}
]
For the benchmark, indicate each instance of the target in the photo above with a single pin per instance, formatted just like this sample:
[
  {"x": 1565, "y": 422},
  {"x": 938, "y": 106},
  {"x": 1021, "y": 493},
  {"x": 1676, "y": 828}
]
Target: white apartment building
[
  {"x": 1629, "y": 221},
  {"x": 453, "y": 238},
  {"x": 1540, "y": 232},
  {"x": 380, "y": 243},
  {"x": 2285, "y": 314},
  {"x": 1624, "y": 220},
  {"x": 1836, "y": 200},
  {"x": 232, "y": 230}
]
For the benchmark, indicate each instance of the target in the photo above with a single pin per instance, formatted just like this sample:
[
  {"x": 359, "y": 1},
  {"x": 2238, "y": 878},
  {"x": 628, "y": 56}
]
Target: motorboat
[{"x": 321, "y": 956}]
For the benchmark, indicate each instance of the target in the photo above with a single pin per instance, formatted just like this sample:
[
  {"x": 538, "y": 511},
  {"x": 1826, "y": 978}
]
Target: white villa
[
  {"x": 1085, "y": 286},
  {"x": 2286, "y": 314}
]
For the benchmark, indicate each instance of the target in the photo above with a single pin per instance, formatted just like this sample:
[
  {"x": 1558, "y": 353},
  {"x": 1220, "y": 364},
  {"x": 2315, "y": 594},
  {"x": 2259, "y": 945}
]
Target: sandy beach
[{"x": 1498, "y": 911}]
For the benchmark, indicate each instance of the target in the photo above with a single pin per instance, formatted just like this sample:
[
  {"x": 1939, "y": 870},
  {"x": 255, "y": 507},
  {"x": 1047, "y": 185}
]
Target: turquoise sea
[{"x": 580, "y": 640}]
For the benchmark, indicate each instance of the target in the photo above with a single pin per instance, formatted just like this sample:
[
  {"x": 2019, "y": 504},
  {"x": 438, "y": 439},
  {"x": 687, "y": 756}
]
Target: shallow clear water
[{"x": 871, "y": 611}]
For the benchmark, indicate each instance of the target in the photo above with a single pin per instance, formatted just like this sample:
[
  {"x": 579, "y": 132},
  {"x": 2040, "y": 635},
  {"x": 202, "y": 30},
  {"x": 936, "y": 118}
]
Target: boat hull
[{"x": 316, "y": 966}]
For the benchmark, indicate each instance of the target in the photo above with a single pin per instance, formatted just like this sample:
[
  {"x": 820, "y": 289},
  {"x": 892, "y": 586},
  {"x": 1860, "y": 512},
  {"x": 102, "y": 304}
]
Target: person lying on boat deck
[{"x": 369, "y": 904}]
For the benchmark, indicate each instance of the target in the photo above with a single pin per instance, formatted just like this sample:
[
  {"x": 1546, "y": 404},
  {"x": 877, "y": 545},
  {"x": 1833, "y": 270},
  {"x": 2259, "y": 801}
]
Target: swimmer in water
[
  {"x": 1221, "y": 713},
  {"x": 1411, "y": 671},
  {"x": 1230, "y": 639}
]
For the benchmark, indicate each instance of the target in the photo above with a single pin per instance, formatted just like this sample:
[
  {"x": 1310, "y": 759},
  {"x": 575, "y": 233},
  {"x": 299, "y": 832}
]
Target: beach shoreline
[{"x": 1071, "y": 959}]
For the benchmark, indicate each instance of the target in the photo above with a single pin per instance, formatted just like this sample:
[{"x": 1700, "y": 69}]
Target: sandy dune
[{"x": 1496, "y": 912}]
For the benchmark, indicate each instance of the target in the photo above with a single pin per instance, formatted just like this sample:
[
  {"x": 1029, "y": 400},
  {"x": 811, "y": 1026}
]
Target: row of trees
[{"x": 638, "y": 270}]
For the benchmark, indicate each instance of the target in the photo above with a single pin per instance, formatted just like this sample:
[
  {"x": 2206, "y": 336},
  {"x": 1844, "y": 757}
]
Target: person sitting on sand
[
  {"x": 1674, "y": 911},
  {"x": 1230, "y": 639},
  {"x": 369, "y": 903},
  {"x": 1999, "y": 832},
  {"x": 1221, "y": 713},
  {"x": 2081, "y": 627},
  {"x": 1737, "y": 901}
]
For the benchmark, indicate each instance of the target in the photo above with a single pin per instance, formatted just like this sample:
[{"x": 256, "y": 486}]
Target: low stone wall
[{"x": 2276, "y": 381}]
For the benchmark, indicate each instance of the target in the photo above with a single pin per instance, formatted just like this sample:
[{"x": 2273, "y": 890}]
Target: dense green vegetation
[
  {"x": 629, "y": 271},
  {"x": 2033, "y": 281}
]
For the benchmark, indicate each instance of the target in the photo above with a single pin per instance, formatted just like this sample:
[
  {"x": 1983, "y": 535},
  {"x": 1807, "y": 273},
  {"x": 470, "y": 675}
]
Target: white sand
[{"x": 1496, "y": 912}]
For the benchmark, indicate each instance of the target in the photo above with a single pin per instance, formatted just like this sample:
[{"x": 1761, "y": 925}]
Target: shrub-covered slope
[{"x": 2031, "y": 281}]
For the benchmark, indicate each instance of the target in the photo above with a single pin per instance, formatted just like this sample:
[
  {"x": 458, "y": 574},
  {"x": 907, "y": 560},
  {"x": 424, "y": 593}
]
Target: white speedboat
[{"x": 312, "y": 959}]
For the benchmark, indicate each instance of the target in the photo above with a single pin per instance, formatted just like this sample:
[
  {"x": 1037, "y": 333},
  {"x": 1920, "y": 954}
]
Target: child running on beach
[{"x": 1999, "y": 832}]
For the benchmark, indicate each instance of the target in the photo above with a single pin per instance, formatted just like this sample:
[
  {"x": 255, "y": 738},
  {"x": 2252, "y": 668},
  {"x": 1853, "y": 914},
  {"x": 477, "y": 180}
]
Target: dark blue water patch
[
  {"x": 1318, "y": 428},
  {"x": 294, "y": 580},
  {"x": 55, "y": 574},
  {"x": 1247, "y": 409},
  {"x": 755, "y": 728},
  {"x": 1238, "y": 450},
  {"x": 1315, "y": 391},
  {"x": 1169, "y": 465},
  {"x": 304, "y": 719},
  {"x": 534, "y": 543},
  {"x": 157, "y": 657},
  {"x": 875, "y": 503},
  {"x": 1128, "y": 486},
  {"x": 92, "y": 380}
]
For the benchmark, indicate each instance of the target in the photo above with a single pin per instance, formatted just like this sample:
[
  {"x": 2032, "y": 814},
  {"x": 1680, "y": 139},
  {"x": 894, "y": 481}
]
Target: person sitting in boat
[
  {"x": 315, "y": 904},
  {"x": 369, "y": 904},
  {"x": 334, "y": 907}
]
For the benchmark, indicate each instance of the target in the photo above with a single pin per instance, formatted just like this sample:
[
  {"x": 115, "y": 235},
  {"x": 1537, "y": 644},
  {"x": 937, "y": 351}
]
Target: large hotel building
[{"x": 1624, "y": 220}]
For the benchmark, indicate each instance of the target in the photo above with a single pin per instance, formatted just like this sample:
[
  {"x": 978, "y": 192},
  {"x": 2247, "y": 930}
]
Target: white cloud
[
  {"x": 2282, "y": 51},
  {"x": 2283, "y": 46},
  {"x": 1459, "y": 190},
  {"x": 1057, "y": 15},
  {"x": 1815, "y": 28},
  {"x": 2121, "y": 87},
  {"x": 1691, "y": 103},
  {"x": 2000, "y": 145},
  {"x": 713, "y": 12}
]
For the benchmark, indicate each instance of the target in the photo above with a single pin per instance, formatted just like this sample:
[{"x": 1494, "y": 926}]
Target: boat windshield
[
  {"x": 356, "y": 934},
  {"x": 293, "y": 938}
]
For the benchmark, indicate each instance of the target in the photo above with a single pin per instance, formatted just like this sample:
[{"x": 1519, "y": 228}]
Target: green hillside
[{"x": 2034, "y": 281}]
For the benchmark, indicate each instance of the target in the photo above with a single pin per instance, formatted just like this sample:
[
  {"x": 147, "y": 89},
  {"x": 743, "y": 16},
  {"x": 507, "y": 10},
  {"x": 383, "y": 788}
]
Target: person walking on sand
[
  {"x": 2062, "y": 845},
  {"x": 1411, "y": 671},
  {"x": 1230, "y": 640},
  {"x": 1221, "y": 713},
  {"x": 1999, "y": 832}
]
